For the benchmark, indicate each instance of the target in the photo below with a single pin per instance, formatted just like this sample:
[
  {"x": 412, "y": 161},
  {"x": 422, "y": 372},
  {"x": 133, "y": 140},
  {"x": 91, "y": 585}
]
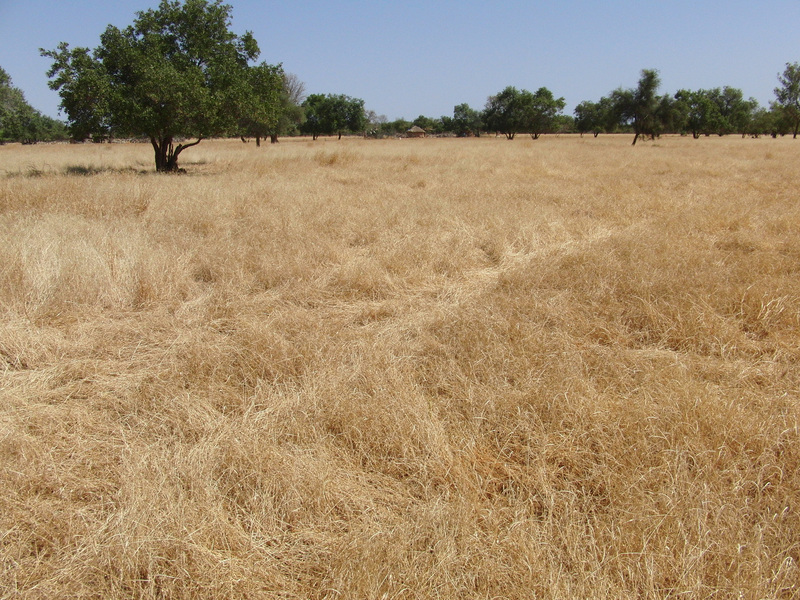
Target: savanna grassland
[{"x": 567, "y": 368}]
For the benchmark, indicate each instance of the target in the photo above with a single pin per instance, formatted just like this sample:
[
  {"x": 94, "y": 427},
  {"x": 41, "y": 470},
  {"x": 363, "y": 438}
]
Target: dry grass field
[{"x": 393, "y": 369}]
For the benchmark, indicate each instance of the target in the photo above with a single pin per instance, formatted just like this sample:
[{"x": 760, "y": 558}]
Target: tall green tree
[
  {"x": 508, "y": 112},
  {"x": 788, "y": 95},
  {"x": 762, "y": 122},
  {"x": 291, "y": 114},
  {"x": 177, "y": 72},
  {"x": 716, "y": 111},
  {"x": 313, "y": 124},
  {"x": 466, "y": 121},
  {"x": 640, "y": 107},
  {"x": 595, "y": 117},
  {"x": 514, "y": 111},
  {"x": 734, "y": 110},
  {"x": 542, "y": 111},
  {"x": 587, "y": 118},
  {"x": 435, "y": 125},
  {"x": 262, "y": 110},
  {"x": 333, "y": 114},
  {"x": 700, "y": 114}
]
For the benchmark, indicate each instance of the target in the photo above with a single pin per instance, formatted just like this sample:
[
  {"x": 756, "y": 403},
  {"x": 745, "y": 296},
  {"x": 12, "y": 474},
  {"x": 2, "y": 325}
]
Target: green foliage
[
  {"x": 176, "y": 72},
  {"x": 766, "y": 122},
  {"x": 334, "y": 114},
  {"x": 263, "y": 107},
  {"x": 393, "y": 128},
  {"x": 514, "y": 111},
  {"x": 434, "y": 126},
  {"x": 313, "y": 106},
  {"x": 716, "y": 111},
  {"x": 700, "y": 113},
  {"x": 19, "y": 121},
  {"x": 641, "y": 108},
  {"x": 563, "y": 124},
  {"x": 290, "y": 114},
  {"x": 735, "y": 111},
  {"x": 507, "y": 111},
  {"x": 587, "y": 118},
  {"x": 788, "y": 96},
  {"x": 84, "y": 88},
  {"x": 427, "y": 123},
  {"x": 595, "y": 117},
  {"x": 466, "y": 121},
  {"x": 543, "y": 109}
]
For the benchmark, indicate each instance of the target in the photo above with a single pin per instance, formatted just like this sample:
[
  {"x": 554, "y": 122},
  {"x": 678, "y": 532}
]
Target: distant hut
[{"x": 415, "y": 132}]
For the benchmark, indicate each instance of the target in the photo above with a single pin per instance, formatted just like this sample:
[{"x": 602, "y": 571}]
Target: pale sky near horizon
[{"x": 419, "y": 57}]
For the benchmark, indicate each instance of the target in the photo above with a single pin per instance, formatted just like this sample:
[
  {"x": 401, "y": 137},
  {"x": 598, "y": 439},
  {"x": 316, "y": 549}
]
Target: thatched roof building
[{"x": 415, "y": 132}]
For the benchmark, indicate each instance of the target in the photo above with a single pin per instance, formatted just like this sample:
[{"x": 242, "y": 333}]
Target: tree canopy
[
  {"x": 639, "y": 106},
  {"x": 788, "y": 96},
  {"x": 542, "y": 110},
  {"x": 506, "y": 112},
  {"x": 595, "y": 117},
  {"x": 263, "y": 107},
  {"x": 177, "y": 72},
  {"x": 466, "y": 121},
  {"x": 333, "y": 114},
  {"x": 514, "y": 111},
  {"x": 716, "y": 111},
  {"x": 19, "y": 121}
]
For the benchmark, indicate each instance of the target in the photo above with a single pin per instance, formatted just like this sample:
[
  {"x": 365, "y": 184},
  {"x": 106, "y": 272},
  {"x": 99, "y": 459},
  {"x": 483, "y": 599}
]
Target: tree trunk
[
  {"x": 273, "y": 138},
  {"x": 258, "y": 141},
  {"x": 166, "y": 154},
  {"x": 161, "y": 147},
  {"x": 635, "y": 137}
]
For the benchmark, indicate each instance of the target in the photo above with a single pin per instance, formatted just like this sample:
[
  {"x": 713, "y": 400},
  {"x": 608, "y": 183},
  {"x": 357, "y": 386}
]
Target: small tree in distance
[
  {"x": 588, "y": 118},
  {"x": 514, "y": 111},
  {"x": 290, "y": 114},
  {"x": 639, "y": 107},
  {"x": 466, "y": 121},
  {"x": 595, "y": 117},
  {"x": 333, "y": 115},
  {"x": 542, "y": 111},
  {"x": 505, "y": 112}
]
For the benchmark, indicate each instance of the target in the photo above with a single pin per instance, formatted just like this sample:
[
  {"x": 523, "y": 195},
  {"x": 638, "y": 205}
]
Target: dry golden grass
[{"x": 445, "y": 369}]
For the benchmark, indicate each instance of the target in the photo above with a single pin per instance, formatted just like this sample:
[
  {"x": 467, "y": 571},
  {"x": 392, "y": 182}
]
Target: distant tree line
[
  {"x": 178, "y": 75},
  {"x": 717, "y": 111},
  {"x": 640, "y": 111}
]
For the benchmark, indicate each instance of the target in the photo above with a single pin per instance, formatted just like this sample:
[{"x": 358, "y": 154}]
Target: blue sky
[{"x": 424, "y": 57}]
